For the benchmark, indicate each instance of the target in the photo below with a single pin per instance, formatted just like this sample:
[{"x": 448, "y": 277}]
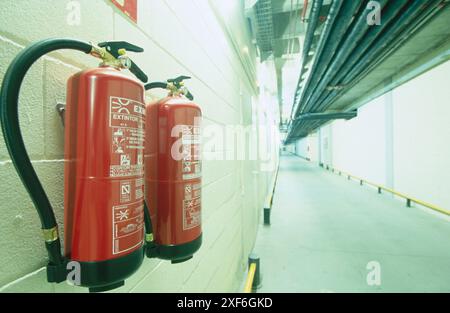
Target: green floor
[{"x": 326, "y": 229}]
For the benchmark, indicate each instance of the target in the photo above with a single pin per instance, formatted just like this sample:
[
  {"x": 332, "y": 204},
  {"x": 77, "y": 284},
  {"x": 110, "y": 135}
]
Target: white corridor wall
[{"x": 399, "y": 140}]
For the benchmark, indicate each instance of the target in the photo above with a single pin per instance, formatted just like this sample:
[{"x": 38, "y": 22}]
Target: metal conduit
[
  {"x": 332, "y": 15},
  {"x": 313, "y": 22},
  {"x": 340, "y": 27},
  {"x": 353, "y": 38},
  {"x": 328, "y": 116},
  {"x": 357, "y": 57},
  {"x": 414, "y": 13},
  {"x": 387, "y": 38},
  {"x": 425, "y": 17},
  {"x": 391, "y": 11}
]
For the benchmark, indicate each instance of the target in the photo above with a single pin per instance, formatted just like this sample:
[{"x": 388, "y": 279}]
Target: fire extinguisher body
[
  {"x": 173, "y": 176},
  {"x": 104, "y": 176}
]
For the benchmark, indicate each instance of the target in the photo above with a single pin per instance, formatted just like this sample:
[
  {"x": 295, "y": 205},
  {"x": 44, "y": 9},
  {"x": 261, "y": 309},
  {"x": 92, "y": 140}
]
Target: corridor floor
[{"x": 329, "y": 234}]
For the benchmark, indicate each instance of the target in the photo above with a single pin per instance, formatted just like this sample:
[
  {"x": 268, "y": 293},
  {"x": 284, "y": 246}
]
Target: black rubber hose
[
  {"x": 189, "y": 96},
  {"x": 151, "y": 250},
  {"x": 155, "y": 85},
  {"x": 147, "y": 220},
  {"x": 9, "y": 100},
  {"x": 138, "y": 72}
]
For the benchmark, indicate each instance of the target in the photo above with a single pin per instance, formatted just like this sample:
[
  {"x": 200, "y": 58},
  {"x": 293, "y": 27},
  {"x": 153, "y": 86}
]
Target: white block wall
[{"x": 179, "y": 37}]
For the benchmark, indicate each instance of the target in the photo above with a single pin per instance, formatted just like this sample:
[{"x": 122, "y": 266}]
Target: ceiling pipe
[
  {"x": 312, "y": 25},
  {"x": 413, "y": 18},
  {"x": 432, "y": 11},
  {"x": 305, "y": 9},
  {"x": 308, "y": 122},
  {"x": 331, "y": 18},
  {"x": 391, "y": 11},
  {"x": 333, "y": 13},
  {"x": 304, "y": 129},
  {"x": 413, "y": 14},
  {"x": 340, "y": 27},
  {"x": 338, "y": 31},
  {"x": 386, "y": 38},
  {"x": 328, "y": 116},
  {"x": 356, "y": 34},
  {"x": 291, "y": 48},
  {"x": 425, "y": 17}
]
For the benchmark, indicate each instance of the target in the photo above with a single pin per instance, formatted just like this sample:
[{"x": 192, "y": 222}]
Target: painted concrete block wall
[
  {"x": 399, "y": 139},
  {"x": 179, "y": 37}
]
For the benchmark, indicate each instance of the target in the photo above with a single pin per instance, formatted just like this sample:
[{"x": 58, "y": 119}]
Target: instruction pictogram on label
[
  {"x": 128, "y": 226},
  {"x": 125, "y": 191},
  {"x": 127, "y": 129},
  {"x": 191, "y": 206},
  {"x": 191, "y": 152}
]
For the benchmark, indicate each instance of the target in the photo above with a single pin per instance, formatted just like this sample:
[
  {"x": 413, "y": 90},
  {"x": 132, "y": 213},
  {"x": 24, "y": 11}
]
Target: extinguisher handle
[
  {"x": 177, "y": 81},
  {"x": 162, "y": 85},
  {"x": 116, "y": 48},
  {"x": 113, "y": 47}
]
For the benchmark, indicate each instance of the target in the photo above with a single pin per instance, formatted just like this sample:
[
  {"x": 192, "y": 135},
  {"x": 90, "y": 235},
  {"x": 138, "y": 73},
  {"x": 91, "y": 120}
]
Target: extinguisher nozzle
[{"x": 138, "y": 72}]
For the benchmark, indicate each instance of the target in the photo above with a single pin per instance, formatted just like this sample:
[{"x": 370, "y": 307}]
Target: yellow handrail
[
  {"x": 401, "y": 195},
  {"x": 250, "y": 276}
]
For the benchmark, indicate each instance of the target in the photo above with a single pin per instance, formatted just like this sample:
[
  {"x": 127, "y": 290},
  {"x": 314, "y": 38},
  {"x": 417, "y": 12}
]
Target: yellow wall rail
[
  {"x": 409, "y": 199},
  {"x": 250, "y": 277}
]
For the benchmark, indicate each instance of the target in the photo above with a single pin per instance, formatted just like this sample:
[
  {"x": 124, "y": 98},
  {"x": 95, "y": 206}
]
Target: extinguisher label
[
  {"x": 191, "y": 152},
  {"x": 128, "y": 226},
  {"x": 126, "y": 120},
  {"x": 127, "y": 130},
  {"x": 191, "y": 206}
]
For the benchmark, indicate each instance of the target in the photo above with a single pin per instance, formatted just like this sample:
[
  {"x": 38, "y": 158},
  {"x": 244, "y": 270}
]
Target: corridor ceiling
[
  {"x": 278, "y": 29},
  {"x": 343, "y": 60}
]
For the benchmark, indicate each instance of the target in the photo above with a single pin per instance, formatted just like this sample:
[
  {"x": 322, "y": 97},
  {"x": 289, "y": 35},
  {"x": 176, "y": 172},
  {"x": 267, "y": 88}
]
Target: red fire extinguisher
[
  {"x": 173, "y": 174},
  {"x": 104, "y": 176}
]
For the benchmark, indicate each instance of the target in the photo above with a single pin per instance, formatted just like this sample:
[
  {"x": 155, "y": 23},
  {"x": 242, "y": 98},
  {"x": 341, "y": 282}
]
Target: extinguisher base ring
[
  {"x": 107, "y": 287},
  {"x": 110, "y": 274},
  {"x": 175, "y": 253}
]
